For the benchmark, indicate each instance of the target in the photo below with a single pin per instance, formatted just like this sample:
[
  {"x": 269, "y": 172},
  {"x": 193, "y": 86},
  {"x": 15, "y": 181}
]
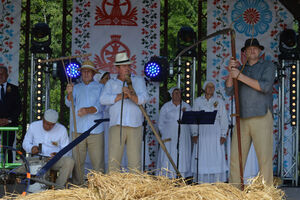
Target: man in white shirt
[
  {"x": 53, "y": 137},
  {"x": 86, "y": 96},
  {"x": 132, "y": 117}
]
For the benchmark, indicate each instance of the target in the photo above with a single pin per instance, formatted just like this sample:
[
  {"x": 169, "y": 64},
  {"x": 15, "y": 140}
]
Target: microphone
[{"x": 129, "y": 82}]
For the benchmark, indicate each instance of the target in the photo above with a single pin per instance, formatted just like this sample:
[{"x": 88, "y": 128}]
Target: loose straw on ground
[{"x": 125, "y": 186}]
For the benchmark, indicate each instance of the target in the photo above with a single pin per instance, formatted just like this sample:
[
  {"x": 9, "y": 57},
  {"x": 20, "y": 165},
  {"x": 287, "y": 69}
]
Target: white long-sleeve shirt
[
  {"x": 87, "y": 96},
  {"x": 52, "y": 141},
  {"x": 132, "y": 115}
]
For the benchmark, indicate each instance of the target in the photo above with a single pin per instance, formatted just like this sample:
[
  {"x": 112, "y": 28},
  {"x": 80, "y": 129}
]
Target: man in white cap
[
  {"x": 52, "y": 137},
  {"x": 86, "y": 96},
  {"x": 132, "y": 117}
]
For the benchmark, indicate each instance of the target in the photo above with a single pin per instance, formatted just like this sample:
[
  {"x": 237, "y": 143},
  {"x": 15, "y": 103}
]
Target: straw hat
[
  {"x": 122, "y": 59},
  {"x": 88, "y": 65}
]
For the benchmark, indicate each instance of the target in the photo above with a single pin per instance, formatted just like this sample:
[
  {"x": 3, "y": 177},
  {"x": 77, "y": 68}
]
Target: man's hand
[
  {"x": 53, "y": 154},
  {"x": 222, "y": 140},
  {"x": 4, "y": 122},
  {"x": 69, "y": 88},
  {"x": 195, "y": 139},
  {"x": 82, "y": 112},
  {"x": 35, "y": 150}
]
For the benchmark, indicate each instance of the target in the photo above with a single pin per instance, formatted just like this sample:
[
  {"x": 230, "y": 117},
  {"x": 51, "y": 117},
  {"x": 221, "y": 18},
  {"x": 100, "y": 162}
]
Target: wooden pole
[{"x": 237, "y": 109}]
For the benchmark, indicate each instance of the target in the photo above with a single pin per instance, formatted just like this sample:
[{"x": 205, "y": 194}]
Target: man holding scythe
[{"x": 255, "y": 84}]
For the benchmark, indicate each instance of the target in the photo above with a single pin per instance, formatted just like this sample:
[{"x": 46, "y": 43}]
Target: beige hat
[
  {"x": 51, "y": 116},
  {"x": 122, "y": 59},
  {"x": 88, "y": 65}
]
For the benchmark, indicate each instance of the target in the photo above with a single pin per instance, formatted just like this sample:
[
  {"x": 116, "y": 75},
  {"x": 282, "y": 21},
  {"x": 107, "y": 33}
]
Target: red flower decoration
[
  {"x": 153, "y": 47},
  {"x": 274, "y": 33},
  {"x": 144, "y": 31},
  {"x": 216, "y": 1},
  {"x": 86, "y": 46},
  {"x": 251, "y": 16},
  {"x": 10, "y": 19},
  {"x": 9, "y": 44},
  {"x": 78, "y": 10},
  {"x": 154, "y": 26},
  {"x": 86, "y": 25},
  {"x": 215, "y": 49},
  {"x": 216, "y": 24},
  {"x": 153, "y": 5},
  {"x": 226, "y": 7},
  {"x": 145, "y": 11},
  {"x": 77, "y": 30},
  {"x": 144, "y": 52},
  {"x": 88, "y": 4}
]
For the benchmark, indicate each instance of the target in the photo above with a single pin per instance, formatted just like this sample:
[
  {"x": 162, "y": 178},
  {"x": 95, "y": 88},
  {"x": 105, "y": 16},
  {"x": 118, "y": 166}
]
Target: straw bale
[{"x": 124, "y": 186}]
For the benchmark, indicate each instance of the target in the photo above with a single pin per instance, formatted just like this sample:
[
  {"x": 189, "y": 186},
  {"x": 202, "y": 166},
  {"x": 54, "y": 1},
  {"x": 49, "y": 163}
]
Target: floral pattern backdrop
[
  {"x": 107, "y": 27},
  {"x": 262, "y": 19},
  {"x": 10, "y": 19}
]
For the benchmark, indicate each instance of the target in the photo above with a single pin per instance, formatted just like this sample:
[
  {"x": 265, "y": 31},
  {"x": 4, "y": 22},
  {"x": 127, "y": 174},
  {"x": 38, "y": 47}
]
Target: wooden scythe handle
[{"x": 237, "y": 110}]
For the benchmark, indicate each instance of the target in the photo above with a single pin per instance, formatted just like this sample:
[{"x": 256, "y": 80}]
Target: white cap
[
  {"x": 99, "y": 76},
  {"x": 172, "y": 90},
  {"x": 51, "y": 116}
]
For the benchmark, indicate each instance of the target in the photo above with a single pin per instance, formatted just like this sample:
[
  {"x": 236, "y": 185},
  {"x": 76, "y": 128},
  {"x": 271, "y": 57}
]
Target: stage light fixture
[
  {"x": 71, "y": 69},
  {"x": 293, "y": 95},
  {"x": 289, "y": 45},
  {"x": 39, "y": 90},
  {"x": 156, "y": 69},
  {"x": 187, "y": 82},
  {"x": 41, "y": 38},
  {"x": 186, "y": 36}
]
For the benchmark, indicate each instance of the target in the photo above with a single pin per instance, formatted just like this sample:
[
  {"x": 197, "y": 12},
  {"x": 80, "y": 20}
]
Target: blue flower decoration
[
  {"x": 216, "y": 61},
  {"x": 1, "y": 60},
  {"x": 8, "y": 57},
  {"x": 216, "y": 13},
  {"x": 274, "y": 45},
  {"x": 226, "y": 43},
  {"x": 10, "y": 32},
  {"x": 251, "y": 17},
  {"x": 10, "y": 8},
  {"x": 283, "y": 15},
  {"x": 224, "y": 72},
  {"x": 216, "y": 38}
]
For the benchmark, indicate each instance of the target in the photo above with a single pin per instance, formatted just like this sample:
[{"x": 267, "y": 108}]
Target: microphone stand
[
  {"x": 178, "y": 133},
  {"x": 121, "y": 117}
]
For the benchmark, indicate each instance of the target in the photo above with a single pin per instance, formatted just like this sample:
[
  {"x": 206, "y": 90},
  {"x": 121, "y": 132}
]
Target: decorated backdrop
[
  {"x": 107, "y": 27},
  {"x": 10, "y": 19},
  {"x": 262, "y": 19}
]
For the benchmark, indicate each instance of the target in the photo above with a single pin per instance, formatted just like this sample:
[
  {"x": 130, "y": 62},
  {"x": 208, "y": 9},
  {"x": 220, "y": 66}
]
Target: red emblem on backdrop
[
  {"x": 116, "y": 12},
  {"x": 105, "y": 60}
]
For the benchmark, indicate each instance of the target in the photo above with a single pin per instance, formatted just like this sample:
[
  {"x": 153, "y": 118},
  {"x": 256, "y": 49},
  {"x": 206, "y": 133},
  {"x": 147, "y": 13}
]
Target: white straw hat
[
  {"x": 88, "y": 65},
  {"x": 122, "y": 59}
]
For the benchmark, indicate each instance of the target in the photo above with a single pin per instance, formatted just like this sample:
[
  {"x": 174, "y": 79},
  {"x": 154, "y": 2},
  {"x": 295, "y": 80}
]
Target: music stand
[{"x": 197, "y": 118}]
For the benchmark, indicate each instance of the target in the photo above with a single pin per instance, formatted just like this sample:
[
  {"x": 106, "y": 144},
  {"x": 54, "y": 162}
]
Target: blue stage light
[
  {"x": 152, "y": 69},
  {"x": 156, "y": 69},
  {"x": 73, "y": 70}
]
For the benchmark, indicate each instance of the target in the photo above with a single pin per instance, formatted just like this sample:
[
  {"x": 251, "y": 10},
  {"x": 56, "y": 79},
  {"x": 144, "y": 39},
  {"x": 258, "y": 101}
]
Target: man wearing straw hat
[
  {"x": 47, "y": 137},
  {"x": 255, "y": 84},
  {"x": 86, "y": 96},
  {"x": 125, "y": 128}
]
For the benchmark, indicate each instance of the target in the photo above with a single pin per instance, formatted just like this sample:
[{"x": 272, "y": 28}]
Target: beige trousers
[
  {"x": 132, "y": 137},
  {"x": 65, "y": 167},
  {"x": 258, "y": 130},
  {"x": 94, "y": 144}
]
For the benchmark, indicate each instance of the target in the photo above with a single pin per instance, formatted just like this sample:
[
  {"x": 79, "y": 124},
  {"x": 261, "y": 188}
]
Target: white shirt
[
  {"x": 132, "y": 115},
  {"x": 87, "y": 96},
  {"x": 52, "y": 141},
  {"x": 214, "y": 103}
]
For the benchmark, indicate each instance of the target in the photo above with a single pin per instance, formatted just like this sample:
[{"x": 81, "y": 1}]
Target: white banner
[
  {"x": 107, "y": 27},
  {"x": 10, "y": 20},
  {"x": 262, "y": 19}
]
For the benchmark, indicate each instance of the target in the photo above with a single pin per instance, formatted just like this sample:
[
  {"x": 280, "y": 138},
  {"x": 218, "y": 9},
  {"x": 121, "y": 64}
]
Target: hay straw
[{"x": 124, "y": 186}]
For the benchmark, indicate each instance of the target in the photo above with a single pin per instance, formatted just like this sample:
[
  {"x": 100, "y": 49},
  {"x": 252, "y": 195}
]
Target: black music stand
[{"x": 197, "y": 118}]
